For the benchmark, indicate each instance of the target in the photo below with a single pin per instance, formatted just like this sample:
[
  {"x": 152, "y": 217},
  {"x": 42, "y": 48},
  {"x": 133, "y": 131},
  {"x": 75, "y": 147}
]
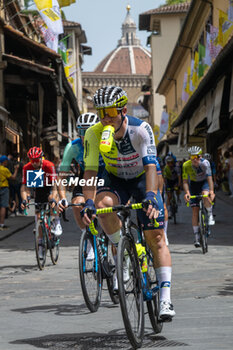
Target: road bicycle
[
  {"x": 204, "y": 228},
  {"x": 141, "y": 286},
  {"x": 92, "y": 272},
  {"x": 49, "y": 241}
]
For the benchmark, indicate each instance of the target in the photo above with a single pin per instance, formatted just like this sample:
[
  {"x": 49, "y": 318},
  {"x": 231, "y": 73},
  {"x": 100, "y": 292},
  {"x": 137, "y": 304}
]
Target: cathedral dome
[{"x": 129, "y": 57}]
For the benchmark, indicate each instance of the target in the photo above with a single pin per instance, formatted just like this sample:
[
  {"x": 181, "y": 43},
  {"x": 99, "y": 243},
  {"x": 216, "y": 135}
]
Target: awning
[
  {"x": 3, "y": 114},
  {"x": 215, "y": 125},
  {"x": 198, "y": 116},
  {"x": 27, "y": 64}
]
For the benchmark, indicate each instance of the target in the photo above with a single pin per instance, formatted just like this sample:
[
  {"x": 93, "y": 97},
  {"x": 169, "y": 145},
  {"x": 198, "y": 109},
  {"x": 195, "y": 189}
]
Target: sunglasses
[
  {"x": 82, "y": 132},
  {"x": 35, "y": 161},
  {"x": 194, "y": 157},
  {"x": 110, "y": 112}
]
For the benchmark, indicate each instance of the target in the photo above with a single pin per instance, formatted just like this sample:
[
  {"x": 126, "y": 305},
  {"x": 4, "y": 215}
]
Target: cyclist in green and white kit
[{"x": 198, "y": 170}]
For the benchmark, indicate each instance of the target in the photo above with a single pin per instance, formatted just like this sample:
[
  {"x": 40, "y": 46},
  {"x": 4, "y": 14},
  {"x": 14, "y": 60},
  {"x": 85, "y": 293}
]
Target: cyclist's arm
[
  {"x": 211, "y": 187},
  {"x": 64, "y": 169},
  {"x": 89, "y": 192},
  {"x": 91, "y": 161},
  {"x": 161, "y": 183},
  {"x": 185, "y": 184},
  {"x": 152, "y": 183}
]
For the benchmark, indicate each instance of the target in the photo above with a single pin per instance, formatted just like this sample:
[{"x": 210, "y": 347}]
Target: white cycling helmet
[
  {"x": 207, "y": 156},
  {"x": 195, "y": 151},
  {"x": 86, "y": 120},
  {"x": 110, "y": 96}
]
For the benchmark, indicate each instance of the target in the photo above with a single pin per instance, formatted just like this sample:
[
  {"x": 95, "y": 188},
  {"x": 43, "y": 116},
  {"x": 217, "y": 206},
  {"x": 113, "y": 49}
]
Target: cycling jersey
[
  {"x": 128, "y": 156},
  {"x": 75, "y": 150},
  {"x": 197, "y": 174},
  {"x": 48, "y": 168},
  {"x": 158, "y": 168},
  {"x": 171, "y": 173}
]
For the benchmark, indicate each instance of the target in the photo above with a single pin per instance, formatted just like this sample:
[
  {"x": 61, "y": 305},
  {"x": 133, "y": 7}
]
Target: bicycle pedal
[{"x": 165, "y": 319}]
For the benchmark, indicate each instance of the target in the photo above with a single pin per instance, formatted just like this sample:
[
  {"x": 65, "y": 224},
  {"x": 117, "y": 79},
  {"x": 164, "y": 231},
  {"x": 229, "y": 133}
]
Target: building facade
[
  {"x": 200, "y": 104},
  {"x": 38, "y": 106},
  {"x": 165, "y": 24}
]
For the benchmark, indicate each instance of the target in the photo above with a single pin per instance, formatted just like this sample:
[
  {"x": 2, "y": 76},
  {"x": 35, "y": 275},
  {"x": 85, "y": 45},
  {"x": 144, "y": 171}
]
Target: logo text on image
[{"x": 35, "y": 178}]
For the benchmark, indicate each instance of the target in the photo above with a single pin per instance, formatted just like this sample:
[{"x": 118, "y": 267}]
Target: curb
[{"x": 17, "y": 230}]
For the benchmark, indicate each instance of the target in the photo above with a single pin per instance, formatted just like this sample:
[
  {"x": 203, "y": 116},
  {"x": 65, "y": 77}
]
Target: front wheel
[
  {"x": 203, "y": 236},
  {"x": 54, "y": 248},
  {"x": 130, "y": 291},
  {"x": 40, "y": 245},
  {"x": 90, "y": 272},
  {"x": 153, "y": 305}
]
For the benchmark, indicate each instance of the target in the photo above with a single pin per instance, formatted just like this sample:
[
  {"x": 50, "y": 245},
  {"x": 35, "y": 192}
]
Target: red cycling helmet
[{"x": 35, "y": 153}]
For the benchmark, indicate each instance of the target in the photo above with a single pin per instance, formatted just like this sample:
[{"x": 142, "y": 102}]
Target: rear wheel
[
  {"x": 90, "y": 272},
  {"x": 40, "y": 245},
  {"x": 130, "y": 292}
]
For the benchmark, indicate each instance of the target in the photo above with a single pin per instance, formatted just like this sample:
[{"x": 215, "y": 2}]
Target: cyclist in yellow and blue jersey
[
  {"x": 130, "y": 171},
  {"x": 198, "y": 171}
]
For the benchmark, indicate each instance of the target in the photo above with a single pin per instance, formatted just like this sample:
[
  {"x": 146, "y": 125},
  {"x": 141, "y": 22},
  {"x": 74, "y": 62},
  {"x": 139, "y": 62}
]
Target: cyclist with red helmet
[{"x": 46, "y": 191}]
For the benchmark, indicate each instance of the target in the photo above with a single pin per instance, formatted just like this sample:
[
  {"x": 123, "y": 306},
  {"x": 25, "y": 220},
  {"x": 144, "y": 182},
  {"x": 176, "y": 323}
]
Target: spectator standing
[{"x": 5, "y": 176}]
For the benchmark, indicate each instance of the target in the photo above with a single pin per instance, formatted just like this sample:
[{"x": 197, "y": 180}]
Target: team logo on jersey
[
  {"x": 151, "y": 150},
  {"x": 35, "y": 178}
]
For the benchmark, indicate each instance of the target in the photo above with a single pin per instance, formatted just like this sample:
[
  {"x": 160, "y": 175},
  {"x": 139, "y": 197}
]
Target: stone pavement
[
  {"x": 17, "y": 223},
  {"x": 46, "y": 310}
]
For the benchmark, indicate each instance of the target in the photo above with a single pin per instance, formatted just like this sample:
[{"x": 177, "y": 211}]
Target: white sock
[
  {"x": 165, "y": 227},
  {"x": 115, "y": 237},
  {"x": 163, "y": 275},
  {"x": 195, "y": 229},
  {"x": 209, "y": 210}
]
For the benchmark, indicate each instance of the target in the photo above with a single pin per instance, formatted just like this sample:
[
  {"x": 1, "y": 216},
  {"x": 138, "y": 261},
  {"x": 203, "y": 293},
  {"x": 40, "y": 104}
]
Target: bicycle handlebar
[
  {"x": 199, "y": 196},
  {"x": 115, "y": 208},
  {"x": 39, "y": 204}
]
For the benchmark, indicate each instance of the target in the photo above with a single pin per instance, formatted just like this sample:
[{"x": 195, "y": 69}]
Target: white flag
[
  {"x": 163, "y": 124},
  {"x": 51, "y": 15},
  {"x": 207, "y": 59}
]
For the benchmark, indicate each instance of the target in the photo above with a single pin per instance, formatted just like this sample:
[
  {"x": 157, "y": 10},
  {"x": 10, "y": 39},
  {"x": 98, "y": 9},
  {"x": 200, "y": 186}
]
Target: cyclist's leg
[
  {"x": 165, "y": 223},
  {"x": 155, "y": 239},
  {"x": 195, "y": 189},
  {"x": 76, "y": 199},
  {"x": 56, "y": 227},
  {"x": 207, "y": 204}
]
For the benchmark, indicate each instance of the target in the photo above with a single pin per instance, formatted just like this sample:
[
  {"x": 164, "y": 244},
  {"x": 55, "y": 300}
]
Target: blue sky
[{"x": 101, "y": 20}]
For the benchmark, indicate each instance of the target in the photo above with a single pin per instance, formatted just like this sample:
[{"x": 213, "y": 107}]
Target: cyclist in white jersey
[{"x": 130, "y": 171}]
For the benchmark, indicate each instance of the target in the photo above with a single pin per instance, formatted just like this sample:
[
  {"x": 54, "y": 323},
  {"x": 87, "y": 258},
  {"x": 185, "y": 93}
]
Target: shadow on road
[
  {"x": 113, "y": 340},
  {"x": 18, "y": 268},
  {"x": 63, "y": 309},
  {"x": 227, "y": 288}
]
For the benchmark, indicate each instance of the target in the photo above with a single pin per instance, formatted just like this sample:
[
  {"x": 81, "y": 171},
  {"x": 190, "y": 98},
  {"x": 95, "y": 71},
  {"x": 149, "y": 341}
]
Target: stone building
[{"x": 128, "y": 66}]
